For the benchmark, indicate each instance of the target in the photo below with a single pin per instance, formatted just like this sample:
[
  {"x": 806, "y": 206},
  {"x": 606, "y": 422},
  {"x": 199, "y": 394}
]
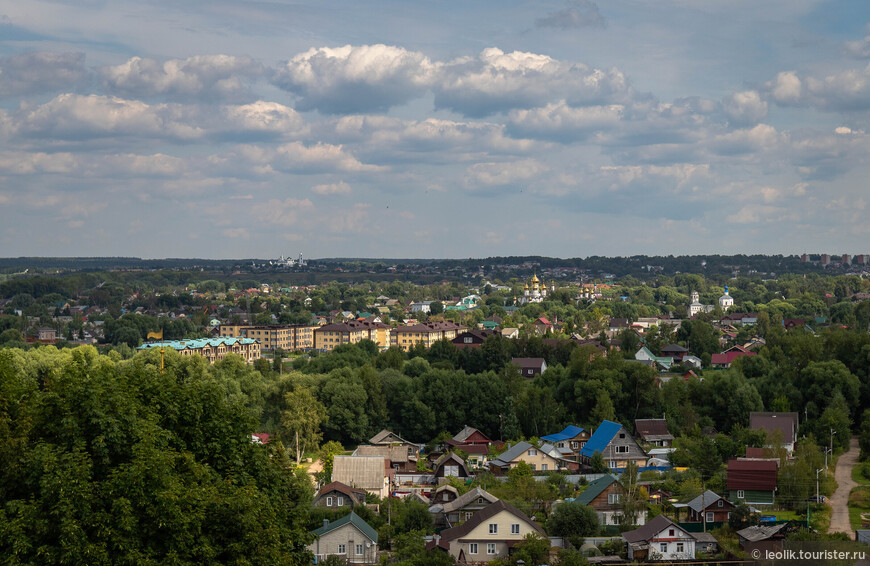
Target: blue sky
[{"x": 433, "y": 129}]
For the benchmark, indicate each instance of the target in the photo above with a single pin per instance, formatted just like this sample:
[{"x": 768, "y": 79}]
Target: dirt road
[{"x": 839, "y": 501}]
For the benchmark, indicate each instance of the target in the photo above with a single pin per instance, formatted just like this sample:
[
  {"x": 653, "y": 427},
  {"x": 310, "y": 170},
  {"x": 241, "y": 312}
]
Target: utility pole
[
  {"x": 817, "y": 485},
  {"x": 833, "y": 432}
]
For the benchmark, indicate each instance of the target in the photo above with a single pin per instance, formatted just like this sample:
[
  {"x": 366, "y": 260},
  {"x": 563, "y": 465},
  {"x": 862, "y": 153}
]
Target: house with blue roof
[
  {"x": 616, "y": 446},
  {"x": 569, "y": 442}
]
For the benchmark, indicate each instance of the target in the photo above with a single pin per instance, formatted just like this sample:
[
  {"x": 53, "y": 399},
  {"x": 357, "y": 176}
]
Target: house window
[
  {"x": 709, "y": 516},
  {"x": 741, "y": 494},
  {"x": 670, "y": 532},
  {"x": 468, "y": 340},
  {"x": 329, "y": 502},
  {"x": 612, "y": 498},
  {"x": 468, "y": 515},
  {"x": 480, "y": 499},
  {"x": 613, "y": 464},
  {"x": 720, "y": 503},
  {"x": 575, "y": 445},
  {"x": 493, "y": 528},
  {"x": 533, "y": 452},
  {"x": 490, "y": 548},
  {"x": 472, "y": 548},
  {"x": 680, "y": 548},
  {"x": 543, "y": 467},
  {"x": 340, "y": 501},
  {"x": 445, "y": 496},
  {"x": 622, "y": 449},
  {"x": 515, "y": 529},
  {"x": 342, "y": 549},
  {"x": 663, "y": 547},
  {"x": 359, "y": 550}
]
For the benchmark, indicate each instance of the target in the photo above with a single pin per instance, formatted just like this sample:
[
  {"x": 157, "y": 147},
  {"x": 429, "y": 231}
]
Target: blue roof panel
[
  {"x": 600, "y": 438},
  {"x": 570, "y": 431}
]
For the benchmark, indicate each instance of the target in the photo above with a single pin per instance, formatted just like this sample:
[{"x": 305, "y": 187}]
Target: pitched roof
[
  {"x": 757, "y": 475},
  {"x": 528, "y": 362},
  {"x": 467, "y": 431},
  {"x": 394, "y": 453},
  {"x": 467, "y": 498},
  {"x": 703, "y": 501},
  {"x": 651, "y": 529},
  {"x": 600, "y": 438},
  {"x": 653, "y": 429},
  {"x": 450, "y": 456},
  {"x": 483, "y": 515},
  {"x": 570, "y": 431},
  {"x": 383, "y": 437},
  {"x": 341, "y": 488},
  {"x": 512, "y": 453},
  {"x": 365, "y": 472},
  {"x": 595, "y": 489},
  {"x": 353, "y": 519},
  {"x": 757, "y": 533},
  {"x": 785, "y": 423}
]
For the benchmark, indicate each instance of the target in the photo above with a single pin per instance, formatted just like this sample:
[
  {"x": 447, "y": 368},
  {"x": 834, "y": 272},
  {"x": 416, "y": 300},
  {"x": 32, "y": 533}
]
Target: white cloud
[
  {"x": 236, "y": 233},
  {"x": 578, "y": 14},
  {"x": 495, "y": 174},
  {"x": 340, "y": 188},
  {"x": 786, "y": 88},
  {"x": 213, "y": 77},
  {"x": 289, "y": 212},
  {"x": 561, "y": 122},
  {"x": 356, "y": 78},
  {"x": 745, "y": 107}
]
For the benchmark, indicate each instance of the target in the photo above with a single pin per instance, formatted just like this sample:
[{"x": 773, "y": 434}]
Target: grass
[
  {"x": 820, "y": 517},
  {"x": 859, "y": 502},
  {"x": 858, "y": 474},
  {"x": 787, "y": 515}
]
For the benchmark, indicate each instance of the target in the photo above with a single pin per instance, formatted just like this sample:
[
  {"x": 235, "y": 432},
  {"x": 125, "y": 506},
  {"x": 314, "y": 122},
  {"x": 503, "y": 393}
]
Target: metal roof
[
  {"x": 570, "y": 431},
  {"x": 600, "y": 438}
]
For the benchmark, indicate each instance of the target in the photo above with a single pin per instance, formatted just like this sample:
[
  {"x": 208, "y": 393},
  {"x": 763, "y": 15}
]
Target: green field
[
  {"x": 858, "y": 474},
  {"x": 859, "y": 502}
]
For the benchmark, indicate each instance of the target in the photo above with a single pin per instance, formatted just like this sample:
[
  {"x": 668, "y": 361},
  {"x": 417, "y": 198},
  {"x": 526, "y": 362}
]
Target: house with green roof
[
  {"x": 349, "y": 537},
  {"x": 605, "y": 495}
]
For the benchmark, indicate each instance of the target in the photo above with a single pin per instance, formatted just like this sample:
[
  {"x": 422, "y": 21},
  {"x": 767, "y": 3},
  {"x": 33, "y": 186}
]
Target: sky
[{"x": 433, "y": 129}]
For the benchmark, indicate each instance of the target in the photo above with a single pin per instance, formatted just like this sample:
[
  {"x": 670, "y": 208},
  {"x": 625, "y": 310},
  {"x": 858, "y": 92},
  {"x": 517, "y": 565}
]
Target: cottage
[
  {"x": 653, "y": 431},
  {"x": 660, "y": 539},
  {"x": 450, "y": 465},
  {"x": 783, "y": 426},
  {"x": 709, "y": 508},
  {"x": 349, "y": 537},
  {"x": 460, "y": 509},
  {"x": 752, "y": 481},
  {"x": 370, "y": 473},
  {"x": 605, "y": 495},
  {"x": 397, "y": 456},
  {"x": 569, "y": 441},
  {"x": 336, "y": 495},
  {"x": 538, "y": 458},
  {"x": 487, "y": 535},
  {"x": 616, "y": 446},
  {"x": 530, "y": 367}
]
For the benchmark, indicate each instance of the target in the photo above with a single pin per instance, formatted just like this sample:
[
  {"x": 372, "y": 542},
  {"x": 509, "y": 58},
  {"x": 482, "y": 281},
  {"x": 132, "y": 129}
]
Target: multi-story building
[
  {"x": 285, "y": 336},
  {"x": 328, "y": 336},
  {"x": 406, "y": 337},
  {"x": 213, "y": 349}
]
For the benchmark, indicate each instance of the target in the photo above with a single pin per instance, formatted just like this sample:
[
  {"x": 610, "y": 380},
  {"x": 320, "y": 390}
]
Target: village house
[
  {"x": 653, "y": 431},
  {"x": 781, "y": 426},
  {"x": 530, "y": 367},
  {"x": 488, "y": 534},
  {"x": 474, "y": 443},
  {"x": 660, "y": 540},
  {"x": 752, "y": 481},
  {"x": 709, "y": 508},
  {"x": 450, "y": 465},
  {"x": 616, "y": 446},
  {"x": 538, "y": 458},
  {"x": 371, "y": 473},
  {"x": 605, "y": 495},
  {"x": 396, "y": 455},
  {"x": 349, "y": 537},
  {"x": 449, "y": 512},
  {"x": 336, "y": 495},
  {"x": 569, "y": 441}
]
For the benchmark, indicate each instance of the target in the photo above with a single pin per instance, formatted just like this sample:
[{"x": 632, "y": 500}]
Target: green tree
[
  {"x": 301, "y": 421},
  {"x": 574, "y": 522}
]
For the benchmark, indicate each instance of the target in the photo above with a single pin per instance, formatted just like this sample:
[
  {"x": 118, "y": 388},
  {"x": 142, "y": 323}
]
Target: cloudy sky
[{"x": 232, "y": 129}]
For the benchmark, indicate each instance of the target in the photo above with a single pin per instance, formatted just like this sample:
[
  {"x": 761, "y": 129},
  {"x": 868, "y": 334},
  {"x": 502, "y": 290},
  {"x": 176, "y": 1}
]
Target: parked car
[{"x": 817, "y": 499}]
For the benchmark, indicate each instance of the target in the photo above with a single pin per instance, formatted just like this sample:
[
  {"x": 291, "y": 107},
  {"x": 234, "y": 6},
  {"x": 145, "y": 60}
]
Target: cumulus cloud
[
  {"x": 294, "y": 157},
  {"x": 340, "y": 188},
  {"x": 745, "y": 107},
  {"x": 75, "y": 117},
  {"x": 846, "y": 91},
  {"x": 578, "y": 14},
  {"x": 261, "y": 118},
  {"x": 352, "y": 79},
  {"x": 497, "y": 81},
  {"x": 860, "y": 49},
  {"x": 561, "y": 122},
  {"x": 210, "y": 77},
  {"x": 499, "y": 174},
  {"x": 288, "y": 212},
  {"x": 35, "y": 73}
]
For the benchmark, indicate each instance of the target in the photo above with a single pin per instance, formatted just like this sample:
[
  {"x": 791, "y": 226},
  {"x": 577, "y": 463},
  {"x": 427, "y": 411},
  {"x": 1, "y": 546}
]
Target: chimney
[{"x": 325, "y": 522}]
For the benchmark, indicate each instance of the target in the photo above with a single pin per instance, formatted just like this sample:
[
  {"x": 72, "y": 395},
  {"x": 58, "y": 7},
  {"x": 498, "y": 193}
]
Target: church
[{"x": 535, "y": 291}]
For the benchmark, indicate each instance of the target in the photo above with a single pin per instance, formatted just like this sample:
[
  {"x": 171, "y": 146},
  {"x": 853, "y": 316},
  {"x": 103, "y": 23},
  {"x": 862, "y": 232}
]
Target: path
[{"x": 839, "y": 501}]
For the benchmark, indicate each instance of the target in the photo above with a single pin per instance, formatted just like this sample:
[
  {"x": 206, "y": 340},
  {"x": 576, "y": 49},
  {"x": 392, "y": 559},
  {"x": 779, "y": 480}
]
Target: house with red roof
[
  {"x": 725, "y": 359},
  {"x": 751, "y": 481}
]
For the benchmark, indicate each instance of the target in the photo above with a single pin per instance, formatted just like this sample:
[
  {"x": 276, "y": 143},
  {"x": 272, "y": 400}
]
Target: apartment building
[{"x": 288, "y": 337}]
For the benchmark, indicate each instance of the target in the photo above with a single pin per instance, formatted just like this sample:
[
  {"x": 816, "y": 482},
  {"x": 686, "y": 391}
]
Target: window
[
  {"x": 359, "y": 550},
  {"x": 472, "y": 548},
  {"x": 490, "y": 548},
  {"x": 663, "y": 547},
  {"x": 543, "y": 467},
  {"x": 613, "y": 464},
  {"x": 515, "y": 529},
  {"x": 621, "y": 435},
  {"x": 720, "y": 503},
  {"x": 729, "y": 515},
  {"x": 741, "y": 494},
  {"x": 493, "y": 528},
  {"x": 468, "y": 340},
  {"x": 533, "y": 452},
  {"x": 622, "y": 449},
  {"x": 339, "y": 501},
  {"x": 342, "y": 549},
  {"x": 468, "y": 515},
  {"x": 680, "y": 548},
  {"x": 670, "y": 532},
  {"x": 329, "y": 502},
  {"x": 575, "y": 445},
  {"x": 480, "y": 499},
  {"x": 445, "y": 496},
  {"x": 709, "y": 516},
  {"x": 613, "y": 498}
]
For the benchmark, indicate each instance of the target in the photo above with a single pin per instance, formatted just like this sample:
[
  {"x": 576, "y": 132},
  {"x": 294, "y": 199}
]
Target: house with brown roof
[
  {"x": 752, "y": 481},
  {"x": 777, "y": 425},
  {"x": 450, "y": 465},
  {"x": 489, "y": 534},
  {"x": 387, "y": 437},
  {"x": 474, "y": 443},
  {"x": 472, "y": 338},
  {"x": 444, "y": 493},
  {"x": 336, "y": 495},
  {"x": 530, "y": 367},
  {"x": 459, "y": 509},
  {"x": 653, "y": 431},
  {"x": 371, "y": 473},
  {"x": 660, "y": 539},
  {"x": 709, "y": 508},
  {"x": 396, "y": 455}
]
